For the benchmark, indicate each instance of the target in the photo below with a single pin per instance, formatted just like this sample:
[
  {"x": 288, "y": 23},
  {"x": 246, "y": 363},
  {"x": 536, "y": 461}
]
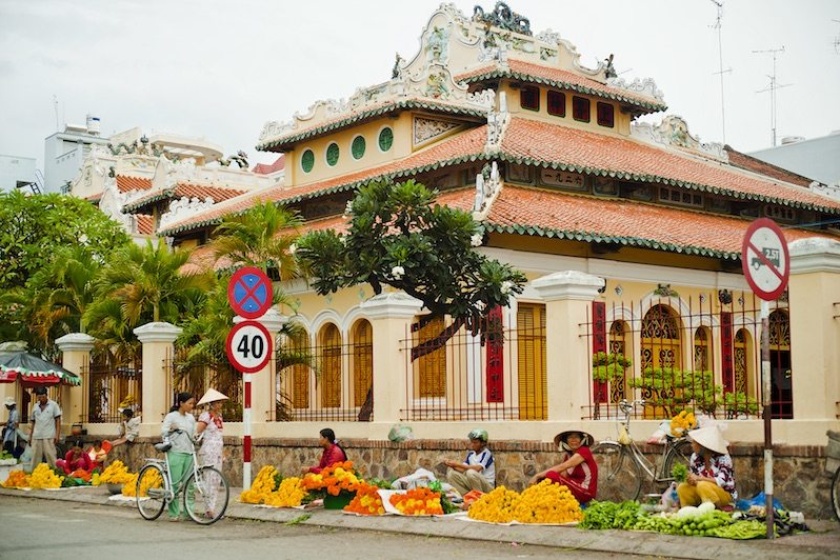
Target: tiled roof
[
  {"x": 126, "y": 183},
  {"x": 578, "y": 150},
  {"x": 269, "y": 168},
  {"x": 145, "y": 224},
  {"x": 181, "y": 190},
  {"x": 561, "y": 79},
  {"x": 744, "y": 161},
  {"x": 530, "y": 211},
  {"x": 463, "y": 147},
  {"x": 287, "y": 139},
  {"x": 547, "y": 145}
]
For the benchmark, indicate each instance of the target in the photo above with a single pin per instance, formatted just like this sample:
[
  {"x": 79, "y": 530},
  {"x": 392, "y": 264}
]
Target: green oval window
[
  {"x": 358, "y": 147},
  {"x": 307, "y": 161},
  {"x": 386, "y": 139},
  {"x": 332, "y": 154}
]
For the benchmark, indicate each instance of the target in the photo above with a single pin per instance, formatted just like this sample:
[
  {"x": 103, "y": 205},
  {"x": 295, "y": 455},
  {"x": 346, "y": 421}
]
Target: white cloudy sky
[{"x": 219, "y": 70}]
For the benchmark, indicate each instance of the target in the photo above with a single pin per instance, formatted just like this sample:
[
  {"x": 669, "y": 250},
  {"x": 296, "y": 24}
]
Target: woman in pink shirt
[{"x": 333, "y": 453}]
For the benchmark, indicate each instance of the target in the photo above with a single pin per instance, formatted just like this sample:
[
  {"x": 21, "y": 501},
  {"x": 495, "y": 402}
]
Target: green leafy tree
[
  {"x": 262, "y": 237},
  {"x": 141, "y": 284},
  {"x": 33, "y": 228},
  {"x": 399, "y": 237}
]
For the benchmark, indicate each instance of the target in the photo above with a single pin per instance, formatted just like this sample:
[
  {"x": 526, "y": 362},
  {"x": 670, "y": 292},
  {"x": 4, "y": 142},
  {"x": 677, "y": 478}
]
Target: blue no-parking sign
[{"x": 250, "y": 293}]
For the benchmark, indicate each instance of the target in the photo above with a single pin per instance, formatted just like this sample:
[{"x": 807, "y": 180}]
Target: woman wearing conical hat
[
  {"x": 577, "y": 469},
  {"x": 209, "y": 427},
  {"x": 711, "y": 477}
]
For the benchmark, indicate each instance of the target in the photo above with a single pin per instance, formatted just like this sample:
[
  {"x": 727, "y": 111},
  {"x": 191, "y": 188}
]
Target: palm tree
[{"x": 262, "y": 236}]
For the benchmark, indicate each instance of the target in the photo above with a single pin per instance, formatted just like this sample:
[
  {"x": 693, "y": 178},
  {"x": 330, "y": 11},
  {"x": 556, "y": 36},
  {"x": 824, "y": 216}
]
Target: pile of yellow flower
[
  {"x": 545, "y": 502},
  {"x": 116, "y": 473},
  {"x": 418, "y": 501},
  {"x": 333, "y": 479},
  {"x": 683, "y": 422},
  {"x": 44, "y": 477},
  {"x": 289, "y": 493},
  {"x": 367, "y": 501},
  {"x": 17, "y": 479},
  {"x": 152, "y": 479}
]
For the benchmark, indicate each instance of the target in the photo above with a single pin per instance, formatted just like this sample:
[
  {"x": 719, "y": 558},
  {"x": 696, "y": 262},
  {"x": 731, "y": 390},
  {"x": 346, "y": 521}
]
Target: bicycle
[
  {"x": 197, "y": 489},
  {"x": 621, "y": 462},
  {"x": 835, "y": 480}
]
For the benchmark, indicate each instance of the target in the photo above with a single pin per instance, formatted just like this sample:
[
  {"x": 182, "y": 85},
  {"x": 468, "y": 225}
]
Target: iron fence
[{"x": 111, "y": 385}]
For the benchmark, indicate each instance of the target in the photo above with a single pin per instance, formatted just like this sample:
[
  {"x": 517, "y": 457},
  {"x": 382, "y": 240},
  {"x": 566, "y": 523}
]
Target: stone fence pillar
[
  {"x": 157, "y": 339},
  {"x": 75, "y": 349},
  {"x": 568, "y": 296},
  {"x": 390, "y": 317},
  {"x": 814, "y": 292}
]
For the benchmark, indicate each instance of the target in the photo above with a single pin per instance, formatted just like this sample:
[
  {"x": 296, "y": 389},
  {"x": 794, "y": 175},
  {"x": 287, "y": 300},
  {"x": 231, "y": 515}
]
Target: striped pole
[{"x": 246, "y": 434}]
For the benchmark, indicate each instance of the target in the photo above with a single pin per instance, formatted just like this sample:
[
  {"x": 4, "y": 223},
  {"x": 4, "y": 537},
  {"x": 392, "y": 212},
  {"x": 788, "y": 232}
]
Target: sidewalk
[{"x": 822, "y": 542}]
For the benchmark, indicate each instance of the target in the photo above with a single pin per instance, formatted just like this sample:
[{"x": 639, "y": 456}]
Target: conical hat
[
  {"x": 711, "y": 438},
  {"x": 212, "y": 395}
]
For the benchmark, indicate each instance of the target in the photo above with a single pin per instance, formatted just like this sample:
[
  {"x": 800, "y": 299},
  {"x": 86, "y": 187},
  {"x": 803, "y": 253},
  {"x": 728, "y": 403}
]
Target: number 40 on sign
[{"x": 249, "y": 346}]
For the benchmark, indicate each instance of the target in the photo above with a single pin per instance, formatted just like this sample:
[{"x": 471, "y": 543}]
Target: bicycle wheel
[
  {"x": 835, "y": 493},
  {"x": 151, "y": 492},
  {"x": 619, "y": 476},
  {"x": 206, "y": 496},
  {"x": 680, "y": 454}
]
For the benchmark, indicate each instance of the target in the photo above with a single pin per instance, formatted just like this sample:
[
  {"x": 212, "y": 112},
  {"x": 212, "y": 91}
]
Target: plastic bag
[
  {"x": 759, "y": 500},
  {"x": 418, "y": 479},
  {"x": 670, "y": 499},
  {"x": 400, "y": 432}
]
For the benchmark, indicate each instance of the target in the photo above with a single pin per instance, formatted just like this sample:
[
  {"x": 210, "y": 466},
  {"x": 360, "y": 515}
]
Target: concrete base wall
[{"x": 800, "y": 483}]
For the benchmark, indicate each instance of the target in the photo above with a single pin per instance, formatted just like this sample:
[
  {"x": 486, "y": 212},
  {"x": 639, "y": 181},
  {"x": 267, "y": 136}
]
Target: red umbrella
[{"x": 33, "y": 371}]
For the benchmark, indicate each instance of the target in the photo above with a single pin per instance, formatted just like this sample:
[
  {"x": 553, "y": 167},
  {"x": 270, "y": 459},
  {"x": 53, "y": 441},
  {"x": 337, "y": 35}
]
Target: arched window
[
  {"x": 660, "y": 338},
  {"x": 619, "y": 344},
  {"x": 330, "y": 358},
  {"x": 743, "y": 362},
  {"x": 362, "y": 361},
  {"x": 297, "y": 350},
  {"x": 702, "y": 351}
]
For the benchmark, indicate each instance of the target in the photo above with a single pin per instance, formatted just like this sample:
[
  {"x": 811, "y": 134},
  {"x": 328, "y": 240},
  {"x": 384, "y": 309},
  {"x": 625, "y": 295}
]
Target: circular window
[
  {"x": 307, "y": 161},
  {"x": 386, "y": 139},
  {"x": 332, "y": 154},
  {"x": 358, "y": 147}
]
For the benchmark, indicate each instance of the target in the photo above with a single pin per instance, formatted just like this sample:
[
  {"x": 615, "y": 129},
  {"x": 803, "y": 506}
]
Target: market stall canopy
[{"x": 32, "y": 370}]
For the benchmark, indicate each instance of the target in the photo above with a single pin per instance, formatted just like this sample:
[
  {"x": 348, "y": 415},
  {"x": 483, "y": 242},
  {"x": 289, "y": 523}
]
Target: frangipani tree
[{"x": 398, "y": 236}]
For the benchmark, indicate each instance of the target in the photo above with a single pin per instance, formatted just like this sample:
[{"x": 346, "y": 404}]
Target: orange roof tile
[
  {"x": 544, "y": 213},
  {"x": 181, "y": 190},
  {"x": 269, "y": 168},
  {"x": 574, "y": 149},
  {"x": 126, "y": 183},
  {"x": 145, "y": 224},
  {"x": 750, "y": 163},
  {"x": 537, "y": 73}
]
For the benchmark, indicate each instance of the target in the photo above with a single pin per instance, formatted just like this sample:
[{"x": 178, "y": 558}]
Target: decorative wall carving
[
  {"x": 488, "y": 185},
  {"x": 646, "y": 86},
  {"x": 184, "y": 208},
  {"x": 426, "y": 129}
]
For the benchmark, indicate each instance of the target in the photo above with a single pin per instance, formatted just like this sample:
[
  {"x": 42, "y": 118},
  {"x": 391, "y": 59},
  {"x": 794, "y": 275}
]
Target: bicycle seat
[{"x": 163, "y": 446}]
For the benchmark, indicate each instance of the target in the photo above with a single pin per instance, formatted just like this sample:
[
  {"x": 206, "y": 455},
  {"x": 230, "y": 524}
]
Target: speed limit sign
[{"x": 249, "y": 346}]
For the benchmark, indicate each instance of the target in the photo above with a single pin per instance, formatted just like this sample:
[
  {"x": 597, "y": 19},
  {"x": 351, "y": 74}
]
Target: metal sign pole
[{"x": 768, "y": 431}]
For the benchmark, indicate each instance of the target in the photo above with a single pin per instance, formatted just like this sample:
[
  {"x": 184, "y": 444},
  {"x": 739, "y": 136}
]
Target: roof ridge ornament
[
  {"x": 503, "y": 17},
  {"x": 488, "y": 185}
]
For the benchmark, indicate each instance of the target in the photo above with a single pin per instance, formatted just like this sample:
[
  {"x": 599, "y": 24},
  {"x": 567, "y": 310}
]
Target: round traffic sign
[
  {"x": 250, "y": 292},
  {"x": 249, "y": 346},
  {"x": 765, "y": 259}
]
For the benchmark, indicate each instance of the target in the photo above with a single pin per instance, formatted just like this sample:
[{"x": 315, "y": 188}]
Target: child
[{"x": 97, "y": 455}]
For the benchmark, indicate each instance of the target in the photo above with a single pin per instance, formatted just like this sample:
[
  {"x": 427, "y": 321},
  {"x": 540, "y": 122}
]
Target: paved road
[{"x": 95, "y": 531}]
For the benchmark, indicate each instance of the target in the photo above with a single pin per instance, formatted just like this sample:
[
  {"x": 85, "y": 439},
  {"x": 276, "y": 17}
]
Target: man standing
[{"x": 46, "y": 428}]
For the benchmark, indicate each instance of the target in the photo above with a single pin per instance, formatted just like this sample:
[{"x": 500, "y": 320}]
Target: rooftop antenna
[
  {"x": 718, "y": 24},
  {"x": 55, "y": 108},
  {"x": 836, "y": 41},
  {"x": 772, "y": 89}
]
